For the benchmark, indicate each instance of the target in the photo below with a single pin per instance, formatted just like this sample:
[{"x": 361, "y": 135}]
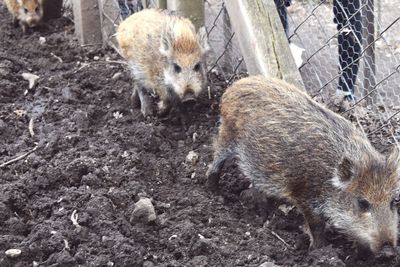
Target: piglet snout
[
  {"x": 387, "y": 251},
  {"x": 188, "y": 97}
]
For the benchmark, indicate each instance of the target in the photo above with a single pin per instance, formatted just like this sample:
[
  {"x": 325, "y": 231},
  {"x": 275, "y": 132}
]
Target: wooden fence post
[
  {"x": 87, "y": 21},
  {"x": 262, "y": 39},
  {"x": 192, "y": 9},
  {"x": 162, "y": 4}
]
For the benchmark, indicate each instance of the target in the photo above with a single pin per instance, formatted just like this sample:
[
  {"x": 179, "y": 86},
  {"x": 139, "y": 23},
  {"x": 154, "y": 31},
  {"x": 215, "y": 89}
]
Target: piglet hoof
[
  {"x": 318, "y": 242},
  {"x": 363, "y": 252},
  {"x": 24, "y": 28},
  {"x": 15, "y": 22},
  {"x": 183, "y": 121},
  {"x": 146, "y": 110},
  {"x": 163, "y": 109},
  {"x": 134, "y": 99},
  {"x": 212, "y": 182},
  {"x": 212, "y": 186},
  {"x": 387, "y": 253}
]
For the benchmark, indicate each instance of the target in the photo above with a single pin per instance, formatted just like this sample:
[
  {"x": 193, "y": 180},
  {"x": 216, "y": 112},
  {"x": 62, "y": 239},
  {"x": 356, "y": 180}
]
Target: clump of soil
[{"x": 71, "y": 202}]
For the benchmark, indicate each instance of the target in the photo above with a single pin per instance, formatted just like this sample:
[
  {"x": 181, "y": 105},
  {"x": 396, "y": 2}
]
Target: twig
[
  {"x": 87, "y": 45},
  {"x": 19, "y": 157},
  {"x": 66, "y": 245},
  {"x": 74, "y": 219},
  {"x": 280, "y": 239},
  {"x": 112, "y": 61},
  {"x": 48, "y": 88},
  {"x": 56, "y": 57},
  {"x": 30, "y": 127}
]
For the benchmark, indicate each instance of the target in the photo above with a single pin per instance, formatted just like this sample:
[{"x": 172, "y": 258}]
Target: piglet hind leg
[
  {"x": 168, "y": 101},
  {"x": 24, "y": 27},
  {"x": 15, "y": 22},
  {"x": 214, "y": 171},
  {"x": 164, "y": 108},
  {"x": 134, "y": 98}
]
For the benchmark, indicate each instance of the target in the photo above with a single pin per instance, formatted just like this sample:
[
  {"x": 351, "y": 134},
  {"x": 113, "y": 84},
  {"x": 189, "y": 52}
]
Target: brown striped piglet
[
  {"x": 293, "y": 148},
  {"x": 166, "y": 58},
  {"x": 26, "y": 13}
]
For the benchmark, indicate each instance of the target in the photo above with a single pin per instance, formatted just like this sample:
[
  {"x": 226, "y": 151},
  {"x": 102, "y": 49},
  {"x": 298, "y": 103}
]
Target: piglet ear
[
  {"x": 344, "y": 174},
  {"x": 166, "y": 42},
  {"x": 393, "y": 161},
  {"x": 203, "y": 39}
]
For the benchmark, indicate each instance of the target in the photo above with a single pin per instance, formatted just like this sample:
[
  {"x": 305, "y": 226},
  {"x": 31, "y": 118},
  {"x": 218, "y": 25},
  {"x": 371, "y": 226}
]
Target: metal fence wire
[
  {"x": 350, "y": 49},
  {"x": 347, "y": 51}
]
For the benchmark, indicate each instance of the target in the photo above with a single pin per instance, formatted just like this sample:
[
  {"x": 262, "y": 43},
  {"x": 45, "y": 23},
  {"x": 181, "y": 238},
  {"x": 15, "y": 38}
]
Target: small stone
[
  {"x": 192, "y": 157},
  {"x": 96, "y": 58},
  {"x": 144, "y": 211},
  {"x": 163, "y": 205},
  {"x": 194, "y": 137},
  {"x": 68, "y": 94},
  {"x": 3, "y": 126},
  {"x": 203, "y": 246},
  {"x": 5, "y": 68},
  {"x": 285, "y": 208},
  {"x": 42, "y": 40},
  {"x": 181, "y": 143},
  {"x": 31, "y": 78},
  {"x": 117, "y": 115},
  {"x": 81, "y": 120},
  {"x": 110, "y": 264},
  {"x": 13, "y": 253}
]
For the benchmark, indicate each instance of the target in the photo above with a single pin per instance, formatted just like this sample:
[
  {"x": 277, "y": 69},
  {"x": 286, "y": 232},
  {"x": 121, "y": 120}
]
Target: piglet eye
[
  {"x": 363, "y": 205},
  {"x": 197, "y": 67},
  {"x": 37, "y": 9},
  {"x": 26, "y": 10},
  {"x": 177, "y": 68},
  {"x": 395, "y": 203}
]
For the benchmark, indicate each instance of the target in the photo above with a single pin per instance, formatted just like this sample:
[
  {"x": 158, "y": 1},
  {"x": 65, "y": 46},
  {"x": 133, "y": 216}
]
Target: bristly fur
[
  {"x": 294, "y": 148},
  {"x": 27, "y": 13},
  {"x": 164, "y": 52}
]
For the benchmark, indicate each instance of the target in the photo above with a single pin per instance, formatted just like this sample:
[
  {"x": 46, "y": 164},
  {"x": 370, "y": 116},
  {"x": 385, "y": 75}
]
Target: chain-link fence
[
  {"x": 352, "y": 47},
  {"x": 226, "y": 58},
  {"x": 345, "y": 50},
  {"x": 115, "y": 11}
]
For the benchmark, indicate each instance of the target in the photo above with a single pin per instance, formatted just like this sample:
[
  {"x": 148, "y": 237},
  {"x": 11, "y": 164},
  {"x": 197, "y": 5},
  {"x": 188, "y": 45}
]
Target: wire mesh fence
[
  {"x": 349, "y": 50},
  {"x": 226, "y": 59}
]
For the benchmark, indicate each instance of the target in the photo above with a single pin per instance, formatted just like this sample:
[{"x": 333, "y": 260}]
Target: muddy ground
[{"x": 96, "y": 156}]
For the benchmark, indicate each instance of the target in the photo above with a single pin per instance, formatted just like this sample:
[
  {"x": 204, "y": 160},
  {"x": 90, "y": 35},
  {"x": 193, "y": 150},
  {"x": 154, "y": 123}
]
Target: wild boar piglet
[
  {"x": 166, "y": 58},
  {"x": 291, "y": 147}
]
